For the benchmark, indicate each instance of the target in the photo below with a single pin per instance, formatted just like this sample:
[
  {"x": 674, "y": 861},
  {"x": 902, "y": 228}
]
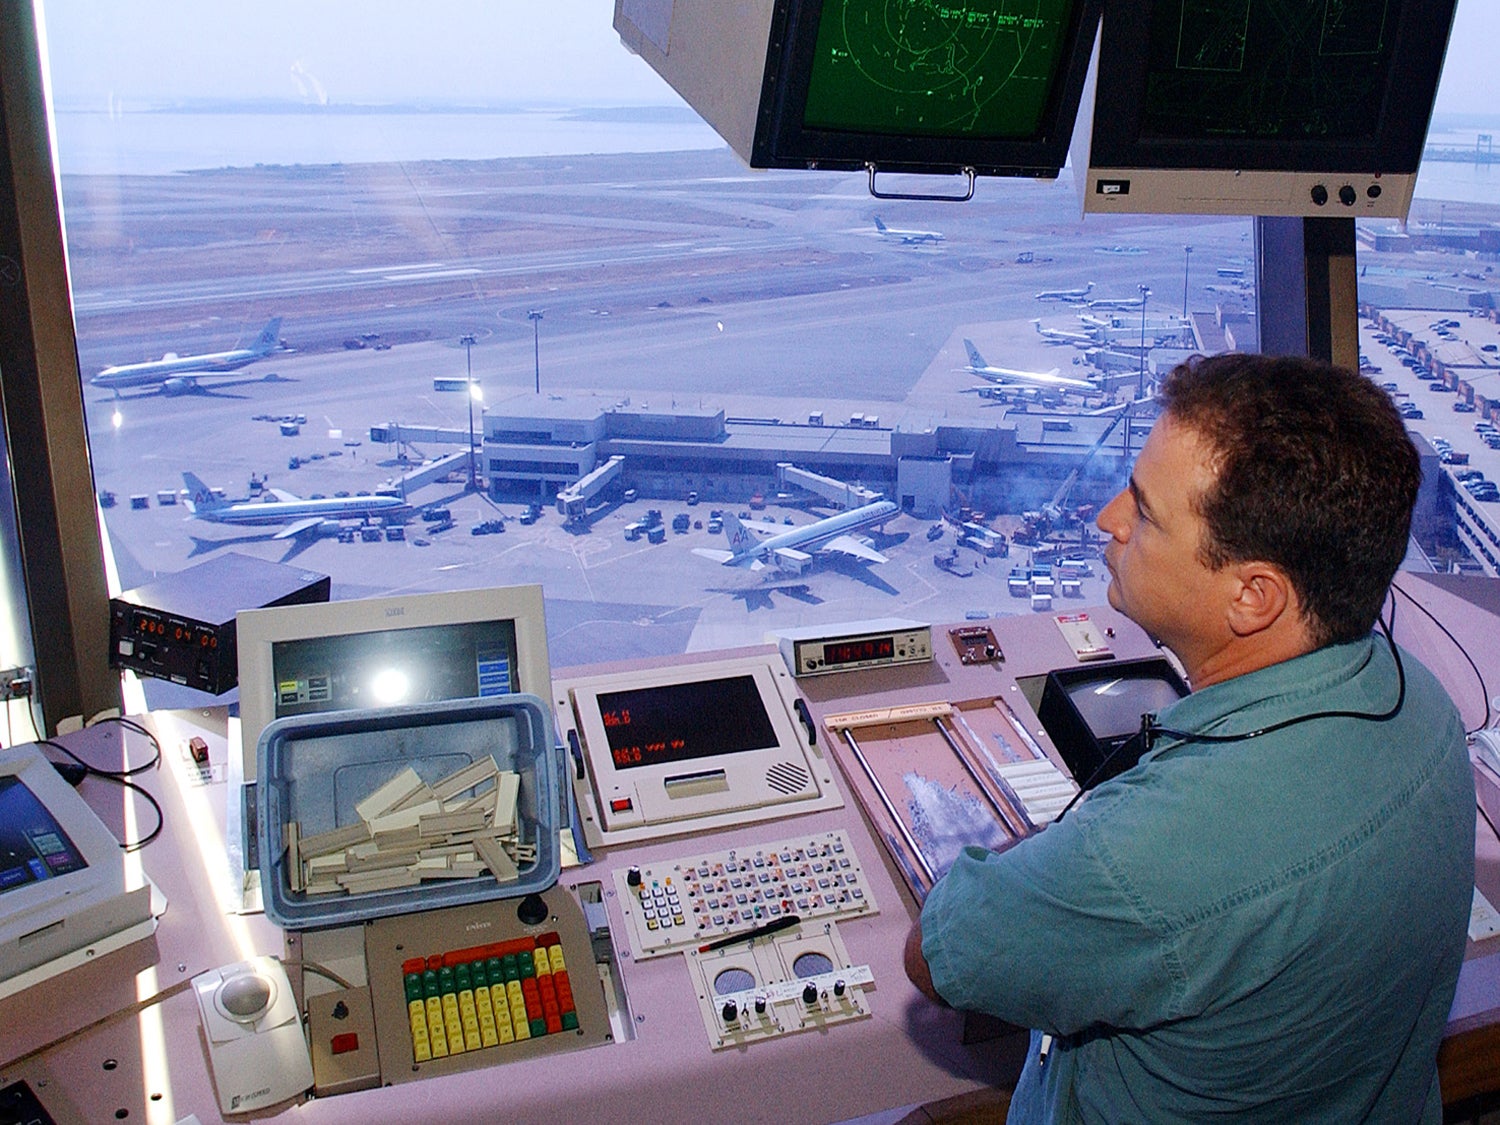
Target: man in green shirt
[{"x": 1264, "y": 919}]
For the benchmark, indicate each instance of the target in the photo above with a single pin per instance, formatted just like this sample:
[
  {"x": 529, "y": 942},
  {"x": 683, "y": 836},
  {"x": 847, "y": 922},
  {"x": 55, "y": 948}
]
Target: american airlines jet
[
  {"x": 179, "y": 374},
  {"x": 1009, "y": 376},
  {"x": 300, "y": 516},
  {"x": 834, "y": 534}
]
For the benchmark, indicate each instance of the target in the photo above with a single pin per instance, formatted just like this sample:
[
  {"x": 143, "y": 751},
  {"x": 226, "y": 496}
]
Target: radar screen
[
  {"x": 1268, "y": 69},
  {"x": 938, "y": 69}
]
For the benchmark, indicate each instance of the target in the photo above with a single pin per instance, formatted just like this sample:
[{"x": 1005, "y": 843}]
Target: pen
[
  {"x": 786, "y": 921},
  {"x": 1044, "y": 1048}
]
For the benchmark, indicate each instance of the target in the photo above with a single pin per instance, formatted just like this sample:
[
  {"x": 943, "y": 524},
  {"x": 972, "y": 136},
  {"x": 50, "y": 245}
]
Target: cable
[
  {"x": 122, "y": 777},
  {"x": 1150, "y": 730},
  {"x": 1483, "y": 688}
]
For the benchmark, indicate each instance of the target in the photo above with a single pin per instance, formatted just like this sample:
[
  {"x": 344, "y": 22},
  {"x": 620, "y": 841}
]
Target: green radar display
[{"x": 925, "y": 68}]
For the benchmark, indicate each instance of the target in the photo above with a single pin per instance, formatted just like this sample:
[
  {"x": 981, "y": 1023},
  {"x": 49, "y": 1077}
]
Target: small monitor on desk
[
  {"x": 63, "y": 886},
  {"x": 1092, "y": 712},
  {"x": 383, "y": 652}
]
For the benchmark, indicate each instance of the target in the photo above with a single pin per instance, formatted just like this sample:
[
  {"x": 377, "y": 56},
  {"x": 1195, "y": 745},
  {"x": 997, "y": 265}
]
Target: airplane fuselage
[
  {"x": 272, "y": 511},
  {"x": 814, "y": 535},
  {"x": 160, "y": 370},
  {"x": 184, "y": 371}
]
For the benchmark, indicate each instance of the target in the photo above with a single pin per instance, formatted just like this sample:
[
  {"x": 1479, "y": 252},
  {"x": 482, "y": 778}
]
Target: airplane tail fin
[
  {"x": 200, "y": 498},
  {"x": 881, "y": 227},
  {"x": 269, "y": 338},
  {"x": 740, "y": 539},
  {"x": 975, "y": 359}
]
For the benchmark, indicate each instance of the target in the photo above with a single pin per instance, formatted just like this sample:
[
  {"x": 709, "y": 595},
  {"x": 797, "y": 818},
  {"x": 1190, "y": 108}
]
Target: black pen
[{"x": 786, "y": 921}]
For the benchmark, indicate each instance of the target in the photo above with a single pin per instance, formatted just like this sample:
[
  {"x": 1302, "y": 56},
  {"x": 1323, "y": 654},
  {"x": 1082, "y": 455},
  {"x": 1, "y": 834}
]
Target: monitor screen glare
[
  {"x": 395, "y": 667},
  {"x": 1112, "y": 708}
]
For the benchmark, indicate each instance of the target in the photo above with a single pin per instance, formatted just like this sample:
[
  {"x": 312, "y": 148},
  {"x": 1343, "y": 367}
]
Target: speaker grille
[{"x": 788, "y": 777}]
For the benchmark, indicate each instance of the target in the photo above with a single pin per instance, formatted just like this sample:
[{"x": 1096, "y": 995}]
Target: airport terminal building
[{"x": 920, "y": 464}]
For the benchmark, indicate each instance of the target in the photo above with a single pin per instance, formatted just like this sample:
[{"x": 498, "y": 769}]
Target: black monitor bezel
[
  {"x": 1083, "y": 751},
  {"x": 1393, "y": 148},
  {"x": 783, "y": 141}
]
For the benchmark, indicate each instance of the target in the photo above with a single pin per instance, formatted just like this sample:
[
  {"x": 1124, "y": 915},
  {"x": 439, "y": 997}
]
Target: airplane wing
[
  {"x": 762, "y": 528},
  {"x": 292, "y": 530},
  {"x": 283, "y": 494},
  {"x": 711, "y": 553},
  {"x": 849, "y": 545}
]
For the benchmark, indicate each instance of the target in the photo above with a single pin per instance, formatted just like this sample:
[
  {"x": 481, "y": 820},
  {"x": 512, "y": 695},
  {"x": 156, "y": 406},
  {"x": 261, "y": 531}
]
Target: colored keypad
[{"x": 487, "y": 996}]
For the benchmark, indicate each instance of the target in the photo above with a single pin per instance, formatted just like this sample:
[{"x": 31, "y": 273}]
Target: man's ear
[{"x": 1262, "y": 597}]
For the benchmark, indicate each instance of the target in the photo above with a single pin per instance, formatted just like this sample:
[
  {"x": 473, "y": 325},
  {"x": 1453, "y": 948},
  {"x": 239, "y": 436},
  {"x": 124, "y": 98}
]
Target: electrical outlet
[{"x": 15, "y": 683}]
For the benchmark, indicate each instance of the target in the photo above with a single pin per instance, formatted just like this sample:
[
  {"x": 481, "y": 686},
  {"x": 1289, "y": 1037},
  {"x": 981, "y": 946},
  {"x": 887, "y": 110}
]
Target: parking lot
[{"x": 1466, "y": 441}]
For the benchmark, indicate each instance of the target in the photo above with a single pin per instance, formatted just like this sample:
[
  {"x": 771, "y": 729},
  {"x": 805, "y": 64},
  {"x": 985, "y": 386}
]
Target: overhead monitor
[
  {"x": 690, "y": 747},
  {"x": 1092, "y": 712},
  {"x": 385, "y": 652},
  {"x": 1261, "y": 107},
  {"x": 64, "y": 891},
  {"x": 988, "y": 85}
]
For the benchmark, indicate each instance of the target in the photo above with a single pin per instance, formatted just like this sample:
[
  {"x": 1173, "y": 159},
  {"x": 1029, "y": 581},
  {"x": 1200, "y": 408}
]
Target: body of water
[{"x": 153, "y": 143}]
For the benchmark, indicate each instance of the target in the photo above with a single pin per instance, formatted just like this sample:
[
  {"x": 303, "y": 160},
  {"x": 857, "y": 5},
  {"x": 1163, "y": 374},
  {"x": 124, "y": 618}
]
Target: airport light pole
[
  {"x": 1187, "y": 258},
  {"x": 535, "y": 316},
  {"x": 468, "y": 342},
  {"x": 1141, "y": 382}
]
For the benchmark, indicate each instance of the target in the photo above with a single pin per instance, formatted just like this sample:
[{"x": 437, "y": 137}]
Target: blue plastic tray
[{"x": 314, "y": 769}]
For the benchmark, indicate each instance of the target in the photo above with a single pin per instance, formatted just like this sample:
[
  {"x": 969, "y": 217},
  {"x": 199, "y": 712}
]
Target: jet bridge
[
  {"x": 572, "y": 501},
  {"x": 842, "y": 495}
]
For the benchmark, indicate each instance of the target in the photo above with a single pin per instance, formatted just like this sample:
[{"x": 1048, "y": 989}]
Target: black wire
[
  {"x": 1478, "y": 675},
  {"x": 121, "y": 777},
  {"x": 1150, "y": 731}
]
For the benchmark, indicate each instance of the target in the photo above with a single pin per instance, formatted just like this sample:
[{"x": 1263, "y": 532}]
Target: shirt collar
[{"x": 1246, "y": 702}]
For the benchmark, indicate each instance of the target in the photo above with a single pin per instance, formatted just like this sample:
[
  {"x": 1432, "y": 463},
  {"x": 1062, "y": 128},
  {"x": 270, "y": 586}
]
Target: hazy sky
[
  {"x": 350, "y": 50},
  {"x": 491, "y": 50}
]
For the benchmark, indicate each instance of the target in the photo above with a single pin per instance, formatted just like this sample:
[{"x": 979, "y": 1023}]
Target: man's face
[{"x": 1157, "y": 577}]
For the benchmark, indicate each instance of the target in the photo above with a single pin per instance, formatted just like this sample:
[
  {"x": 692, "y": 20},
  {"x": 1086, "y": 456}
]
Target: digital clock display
[
  {"x": 683, "y": 722},
  {"x": 853, "y": 652}
]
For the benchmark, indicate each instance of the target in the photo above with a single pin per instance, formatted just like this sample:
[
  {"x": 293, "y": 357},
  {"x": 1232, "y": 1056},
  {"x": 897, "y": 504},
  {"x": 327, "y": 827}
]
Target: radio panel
[{"x": 691, "y": 748}]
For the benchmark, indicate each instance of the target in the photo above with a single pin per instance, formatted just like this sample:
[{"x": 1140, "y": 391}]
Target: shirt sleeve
[{"x": 1044, "y": 936}]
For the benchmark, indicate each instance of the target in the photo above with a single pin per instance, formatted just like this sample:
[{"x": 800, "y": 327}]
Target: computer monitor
[
  {"x": 1259, "y": 107},
  {"x": 63, "y": 885},
  {"x": 992, "y": 85},
  {"x": 384, "y": 652},
  {"x": 1092, "y": 712}
]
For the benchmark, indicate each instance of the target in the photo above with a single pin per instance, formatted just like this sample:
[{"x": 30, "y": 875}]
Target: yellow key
[
  {"x": 435, "y": 1032},
  {"x": 421, "y": 1046},
  {"x": 453, "y": 1024},
  {"x": 469, "y": 1017},
  {"x": 555, "y": 954},
  {"x": 486, "y": 1010},
  {"x": 518, "y": 1009},
  {"x": 503, "y": 1027}
]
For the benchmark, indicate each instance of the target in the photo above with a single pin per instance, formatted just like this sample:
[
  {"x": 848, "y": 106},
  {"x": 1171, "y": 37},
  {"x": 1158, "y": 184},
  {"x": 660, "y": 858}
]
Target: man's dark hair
[{"x": 1315, "y": 474}]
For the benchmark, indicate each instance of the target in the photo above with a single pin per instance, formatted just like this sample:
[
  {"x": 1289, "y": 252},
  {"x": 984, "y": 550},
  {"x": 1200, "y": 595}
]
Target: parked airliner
[
  {"x": 179, "y": 374},
  {"x": 1009, "y": 376},
  {"x": 1065, "y": 294},
  {"x": 301, "y": 516},
  {"x": 779, "y": 545},
  {"x": 910, "y": 237}
]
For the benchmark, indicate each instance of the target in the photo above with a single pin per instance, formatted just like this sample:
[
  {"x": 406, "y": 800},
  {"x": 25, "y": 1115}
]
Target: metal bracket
[{"x": 968, "y": 195}]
